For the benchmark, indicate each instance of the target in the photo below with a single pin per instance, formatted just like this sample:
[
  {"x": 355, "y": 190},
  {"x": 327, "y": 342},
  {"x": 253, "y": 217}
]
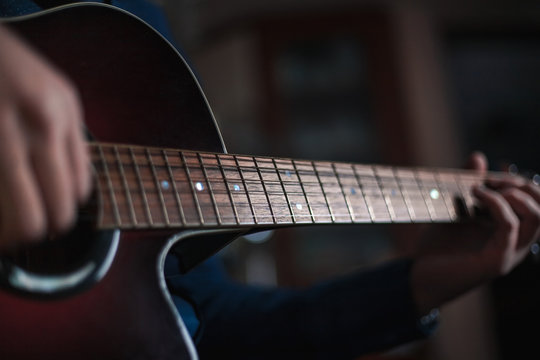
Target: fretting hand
[{"x": 455, "y": 259}]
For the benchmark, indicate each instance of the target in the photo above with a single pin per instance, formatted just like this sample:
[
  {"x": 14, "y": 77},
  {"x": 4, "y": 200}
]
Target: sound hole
[
  {"x": 58, "y": 254},
  {"x": 62, "y": 264}
]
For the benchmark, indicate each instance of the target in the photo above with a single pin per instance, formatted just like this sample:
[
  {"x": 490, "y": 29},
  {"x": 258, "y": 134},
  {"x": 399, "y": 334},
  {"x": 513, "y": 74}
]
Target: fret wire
[
  {"x": 466, "y": 198},
  {"x": 269, "y": 182},
  {"x": 126, "y": 186},
  {"x": 351, "y": 213},
  {"x": 151, "y": 190},
  {"x": 110, "y": 185},
  {"x": 158, "y": 187},
  {"x": 221, "y": 168},
  {"x": 393, "y": 193},
  {"x": 304, "y": 190},
  {"x": 175, "y": 189},
  {"x": 464, "y": 172},
  {"x": 403, "y": 198},
  {"x": 254, "y": 192},
  {"x": 195, "y": 198},
  {"x": 174, "y": 225},
  {"x": 285, "y": 191},
  {"x": 246, "y": 189},
  {"x": 354, "y": 176},
  {"x": 371, "y": 211},
  {"x": 386, "y": 202},
  {"x": 210, "y": 190},
  {"x": 141, "y": 186},
  {"x": 299, "y": 172},
  {"x": 463, "y": 182},
  {"x": 450, "y": 208},
  {"x": 157, "y": 207},
  {"x": 264, "y": 190},
  {"x": 427, "y": 201},
  {"x": 405, "y": 194},
  {"x": 440, "y": 212}
]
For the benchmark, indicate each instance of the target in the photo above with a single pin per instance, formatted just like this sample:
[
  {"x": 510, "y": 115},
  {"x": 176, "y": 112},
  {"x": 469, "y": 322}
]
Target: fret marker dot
[
  {"x": 288, "y": 173},
  {"x": 165, "y": 185},
  {"x": 434, "y": 194},
  {"x": 199, "y": 186},
  {"x": 236, "y": 187},
  {"x": 299, "y": 206},
  {"x": 353, "y": 192}
]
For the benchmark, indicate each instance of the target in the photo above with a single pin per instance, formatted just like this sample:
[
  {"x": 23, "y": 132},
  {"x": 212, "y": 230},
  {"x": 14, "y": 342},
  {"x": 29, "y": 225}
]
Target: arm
[
  {"x": 44, "y": 168},
  {"x": 340, "y": 319}
]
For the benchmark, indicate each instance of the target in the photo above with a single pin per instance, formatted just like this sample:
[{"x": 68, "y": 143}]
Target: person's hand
[
  {"x": 456, "y": 258},
  {"x": 44, "y": 165}
]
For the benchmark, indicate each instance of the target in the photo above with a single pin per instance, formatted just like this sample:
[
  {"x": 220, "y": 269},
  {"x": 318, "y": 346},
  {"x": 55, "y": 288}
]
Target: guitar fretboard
[{"x": 143, "y": 187}]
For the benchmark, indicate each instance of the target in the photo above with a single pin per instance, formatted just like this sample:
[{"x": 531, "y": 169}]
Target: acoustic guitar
[{"x": 164, "y": 182}]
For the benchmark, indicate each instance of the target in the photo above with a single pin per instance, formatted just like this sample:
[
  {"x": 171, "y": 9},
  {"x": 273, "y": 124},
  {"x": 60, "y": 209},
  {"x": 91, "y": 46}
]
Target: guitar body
[
  {"x": 124, "y": 316},
  {"x": 135, "y": 89}
]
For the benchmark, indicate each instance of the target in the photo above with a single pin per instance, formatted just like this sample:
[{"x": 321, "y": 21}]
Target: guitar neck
[{"x": 144, "y": 187}]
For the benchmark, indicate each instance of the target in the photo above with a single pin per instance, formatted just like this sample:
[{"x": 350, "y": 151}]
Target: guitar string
[
  {"x": 274, "y": 170},
  {"x": 326, "y": 178},
  {"x": 155, "y": 206},
  {"x": 194, "y": 155},
  {"x": 253, "y": 185},
  {"x": 380, "y": 182},
  {"x": 278, "y": 218}
]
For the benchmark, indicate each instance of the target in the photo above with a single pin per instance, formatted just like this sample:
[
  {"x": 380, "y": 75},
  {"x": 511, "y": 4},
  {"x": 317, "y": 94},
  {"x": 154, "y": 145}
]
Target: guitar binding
[{"x": 63, "y": 266}]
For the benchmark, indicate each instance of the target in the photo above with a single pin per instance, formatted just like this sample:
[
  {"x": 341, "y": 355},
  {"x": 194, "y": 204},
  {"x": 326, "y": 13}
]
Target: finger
[
  {"x": 22, "y": 215},
  {"x": 528, "y": 211},
  {"x": 502, "y": 249},
  {"x": 506, "y": 221},
  {"x": 49, "y": 156},
  {"x": 477, "y": 161},
  {"x": 505, "y": 181},
  {"x": 52, "y": 168},
  {"x": 78, "y": 153},
  {"x": 80, "y": 163},
  {"x": 515, "y": 182},
  {"x": 533, "y": 190}
]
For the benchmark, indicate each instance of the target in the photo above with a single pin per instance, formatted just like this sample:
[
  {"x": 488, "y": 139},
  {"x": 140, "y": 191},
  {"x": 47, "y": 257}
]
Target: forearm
[{"x": 353, "y": 315}]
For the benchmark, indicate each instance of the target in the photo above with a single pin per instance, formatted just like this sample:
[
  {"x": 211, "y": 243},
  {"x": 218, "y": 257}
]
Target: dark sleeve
[{"x": 353, "y": 315}]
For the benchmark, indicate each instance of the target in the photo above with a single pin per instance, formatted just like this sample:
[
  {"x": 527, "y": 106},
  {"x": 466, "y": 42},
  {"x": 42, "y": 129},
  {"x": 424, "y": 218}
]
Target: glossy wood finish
[{"x": 125, "y": 316}]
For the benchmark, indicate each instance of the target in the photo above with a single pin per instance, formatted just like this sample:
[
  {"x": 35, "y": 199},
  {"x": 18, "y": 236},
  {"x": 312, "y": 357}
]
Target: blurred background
[{"x": 388, "y": 82}]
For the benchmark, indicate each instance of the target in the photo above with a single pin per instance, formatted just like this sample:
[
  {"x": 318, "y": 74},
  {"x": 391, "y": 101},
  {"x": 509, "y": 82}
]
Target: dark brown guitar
[{"x": 101, "y": 294}]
